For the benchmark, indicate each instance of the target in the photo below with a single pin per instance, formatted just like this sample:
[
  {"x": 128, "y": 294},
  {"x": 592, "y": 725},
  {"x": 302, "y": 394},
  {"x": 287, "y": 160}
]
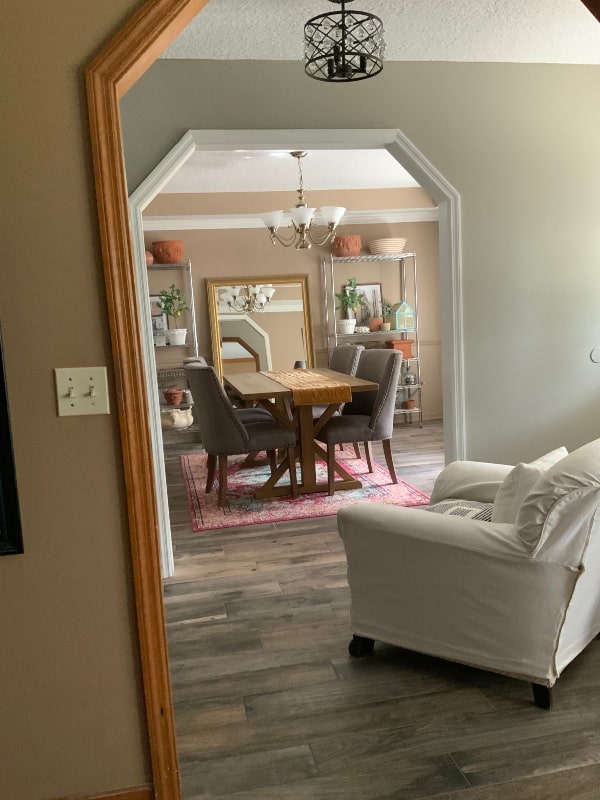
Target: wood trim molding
[
  {"x": 593, "y": 6},
  {"x": 111, "y": 73}
]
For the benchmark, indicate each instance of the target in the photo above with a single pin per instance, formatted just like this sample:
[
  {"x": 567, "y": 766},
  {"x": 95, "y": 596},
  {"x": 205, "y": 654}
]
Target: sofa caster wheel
[
  {"x": 542, "y": 696},
  {"x": 360, "y": 646}
]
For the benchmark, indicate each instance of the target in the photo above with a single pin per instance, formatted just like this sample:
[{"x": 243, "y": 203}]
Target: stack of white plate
[{"x": 381, "y": 247}]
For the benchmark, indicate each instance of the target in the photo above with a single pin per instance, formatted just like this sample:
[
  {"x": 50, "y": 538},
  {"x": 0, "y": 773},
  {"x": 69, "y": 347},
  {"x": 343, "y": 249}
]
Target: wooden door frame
[{"x": 113, "y": 71}]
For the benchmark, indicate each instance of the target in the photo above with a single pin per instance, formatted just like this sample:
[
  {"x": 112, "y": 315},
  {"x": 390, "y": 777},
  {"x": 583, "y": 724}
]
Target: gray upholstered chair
[
  {"x": 343, "y": 358},
  {"x": 370, "y": 415},
  {"x": 244, "y": 415},
  {"x": 224, "y": 434}
]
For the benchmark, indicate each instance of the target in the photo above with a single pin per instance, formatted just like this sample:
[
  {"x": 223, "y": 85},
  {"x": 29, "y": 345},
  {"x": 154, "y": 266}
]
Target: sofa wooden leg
[
  {"x": 542, "y": 696},
  {"x": 360, "y": 646}
]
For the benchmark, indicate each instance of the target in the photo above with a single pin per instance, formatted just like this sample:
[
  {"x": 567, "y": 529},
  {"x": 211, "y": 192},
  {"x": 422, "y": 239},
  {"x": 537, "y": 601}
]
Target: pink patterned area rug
[{"x": 243, "y": 508}]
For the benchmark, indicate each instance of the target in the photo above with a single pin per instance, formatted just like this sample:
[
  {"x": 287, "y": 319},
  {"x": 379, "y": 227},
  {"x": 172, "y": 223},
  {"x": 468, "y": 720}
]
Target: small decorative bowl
[{"x": 381, "y": 247}]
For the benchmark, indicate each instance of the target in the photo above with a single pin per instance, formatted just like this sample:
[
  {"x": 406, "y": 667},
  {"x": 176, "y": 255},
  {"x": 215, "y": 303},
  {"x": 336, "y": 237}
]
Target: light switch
[{"x": 81, "y": 390}]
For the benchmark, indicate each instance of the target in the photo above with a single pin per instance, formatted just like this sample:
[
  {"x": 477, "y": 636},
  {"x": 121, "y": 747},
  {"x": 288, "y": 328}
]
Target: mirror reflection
[{"x": 259, "y": 323}]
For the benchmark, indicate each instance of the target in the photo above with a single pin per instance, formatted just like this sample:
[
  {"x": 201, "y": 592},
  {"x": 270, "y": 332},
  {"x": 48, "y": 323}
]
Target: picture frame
[
  {"x": 11, "y": 534},
  {"x": 160, "y": 321},
  {"x": 373, "y": 296}
]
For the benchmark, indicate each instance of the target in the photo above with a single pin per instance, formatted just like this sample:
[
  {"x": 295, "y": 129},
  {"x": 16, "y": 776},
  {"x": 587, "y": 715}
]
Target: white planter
[
  {"x": 346, "y": 326},
  {"x": 176, "y": 335},
  {"x": 176, "y": 418}
]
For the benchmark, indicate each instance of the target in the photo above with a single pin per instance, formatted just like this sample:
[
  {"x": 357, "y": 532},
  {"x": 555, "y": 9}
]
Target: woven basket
[{"x": 382, "y": 247}]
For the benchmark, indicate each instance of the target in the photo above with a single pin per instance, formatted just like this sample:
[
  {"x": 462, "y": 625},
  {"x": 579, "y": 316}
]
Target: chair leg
[
  {"x": 272, "y": 460},
  {"x": 357, "y": 449},
  {"x": 222, "y": 496},
  {"x": 542, "y": 696},
  {"x": 369, "y": 456},
  {"x": 211, "y": 466},
  {"x": 330, "y": 468},
  {"x": 292, "y": 465},
  {"x": 387, "y": 451}
]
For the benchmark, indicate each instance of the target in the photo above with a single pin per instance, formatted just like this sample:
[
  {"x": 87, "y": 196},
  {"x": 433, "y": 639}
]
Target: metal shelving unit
[
  {"x": 186, "y": 268},
  {"x": 167, "y": 375},
  {"x": 408, "y": 293}
]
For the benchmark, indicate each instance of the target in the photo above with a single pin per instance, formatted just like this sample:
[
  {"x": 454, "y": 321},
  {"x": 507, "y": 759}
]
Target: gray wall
[{"x": 519, "y": 142}]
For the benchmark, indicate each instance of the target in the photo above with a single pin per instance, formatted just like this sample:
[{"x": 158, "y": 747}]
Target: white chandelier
[
  {"x": 302, "y": 218},
  {"x": 246, "y": 299}
]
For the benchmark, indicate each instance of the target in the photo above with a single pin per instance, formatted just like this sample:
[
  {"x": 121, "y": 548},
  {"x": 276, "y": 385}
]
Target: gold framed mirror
[{"x": 259, "y": 322}]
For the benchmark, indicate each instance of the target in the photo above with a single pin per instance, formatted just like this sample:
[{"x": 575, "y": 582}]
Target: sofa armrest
[
  {"x": 454, "y": 587},
  {"x": 365, "y": 521},
  {"x": 469, "y": 480}
]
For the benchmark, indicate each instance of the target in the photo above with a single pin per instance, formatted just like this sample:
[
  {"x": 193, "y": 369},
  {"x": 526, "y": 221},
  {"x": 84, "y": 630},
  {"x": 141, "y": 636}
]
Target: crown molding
[{"x": 199, "y": 222}]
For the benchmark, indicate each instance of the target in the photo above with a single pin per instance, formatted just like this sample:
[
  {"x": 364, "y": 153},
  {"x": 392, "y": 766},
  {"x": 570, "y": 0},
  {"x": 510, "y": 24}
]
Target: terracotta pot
[
  {"x": 405, "y": 345},
  {"x": 169, "y": 251},
  {"x": 408, "y": 404},
  {"x": 375, "y": 324},
  {"x": 347, "y": 245},
  {"x": 173, "y": 397},
  {"x": 149, "y": 258}
]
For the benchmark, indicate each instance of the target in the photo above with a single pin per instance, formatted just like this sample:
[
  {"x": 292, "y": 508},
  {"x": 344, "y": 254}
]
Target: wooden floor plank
[{"x": 269, "y": 705}]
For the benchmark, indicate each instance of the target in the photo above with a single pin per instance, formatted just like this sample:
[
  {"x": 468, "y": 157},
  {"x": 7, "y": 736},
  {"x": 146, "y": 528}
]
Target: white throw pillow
[
  {"x": 519, "y": 482},
  {"x": 580, "y": 472}
]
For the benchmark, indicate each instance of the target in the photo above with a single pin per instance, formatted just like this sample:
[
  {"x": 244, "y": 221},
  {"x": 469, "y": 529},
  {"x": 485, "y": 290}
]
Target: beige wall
[
  {"x": 520, "y": 143},
  {"x": 221, "y": 253},
  {"x": 71, "y": 711}
]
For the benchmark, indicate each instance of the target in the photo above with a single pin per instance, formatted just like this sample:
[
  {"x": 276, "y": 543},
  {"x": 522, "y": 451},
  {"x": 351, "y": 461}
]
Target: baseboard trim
[{"x": 133, "y": 793}]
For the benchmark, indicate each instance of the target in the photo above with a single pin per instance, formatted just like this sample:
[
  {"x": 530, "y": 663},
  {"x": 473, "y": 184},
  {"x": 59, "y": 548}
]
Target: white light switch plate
[{"x": 81, "y": 390}]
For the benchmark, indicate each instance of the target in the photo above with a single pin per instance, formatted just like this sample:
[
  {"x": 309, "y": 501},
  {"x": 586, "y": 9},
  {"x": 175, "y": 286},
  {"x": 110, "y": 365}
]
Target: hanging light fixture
[
  {"x": 246, "y": 299},
  {"x": 343, "y": 45},
  {"x": 302, "y": 218}
]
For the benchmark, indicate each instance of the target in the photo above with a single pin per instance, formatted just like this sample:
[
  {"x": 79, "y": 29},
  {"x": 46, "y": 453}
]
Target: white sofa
[{"x": 519, "y": 595}]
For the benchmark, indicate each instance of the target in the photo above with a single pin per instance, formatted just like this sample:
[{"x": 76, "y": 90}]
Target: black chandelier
[{"x": 343, "y": 45}]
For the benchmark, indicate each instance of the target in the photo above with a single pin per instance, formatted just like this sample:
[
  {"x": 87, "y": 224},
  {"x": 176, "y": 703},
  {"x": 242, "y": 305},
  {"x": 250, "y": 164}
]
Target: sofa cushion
[
  {"x": 519, "y": 482},
  {"x": 575, "y": 473}
]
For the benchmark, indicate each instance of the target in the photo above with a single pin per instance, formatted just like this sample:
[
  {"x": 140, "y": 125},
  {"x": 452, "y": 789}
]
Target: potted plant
[
  {"x": 386, "y": 311},
  {"x": 172, "y": 302},
  {"x": 350, "y": 300}
]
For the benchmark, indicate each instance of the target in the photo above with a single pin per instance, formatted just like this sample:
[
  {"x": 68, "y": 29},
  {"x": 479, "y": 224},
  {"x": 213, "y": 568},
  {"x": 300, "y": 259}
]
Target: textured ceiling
[
  {"x": 265, "y": 171},
  {"x": 526, "y": 31}
]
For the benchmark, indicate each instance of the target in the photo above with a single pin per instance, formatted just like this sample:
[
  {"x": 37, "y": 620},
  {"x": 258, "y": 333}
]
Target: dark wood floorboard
[{"x": 269, "y": 706}]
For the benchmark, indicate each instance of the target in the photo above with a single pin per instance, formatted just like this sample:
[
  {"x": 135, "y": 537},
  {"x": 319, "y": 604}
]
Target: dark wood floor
[{"x": 269, "y": 706}]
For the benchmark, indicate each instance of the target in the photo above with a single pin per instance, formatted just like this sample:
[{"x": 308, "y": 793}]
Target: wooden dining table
[{"x": 291, "y": 397}]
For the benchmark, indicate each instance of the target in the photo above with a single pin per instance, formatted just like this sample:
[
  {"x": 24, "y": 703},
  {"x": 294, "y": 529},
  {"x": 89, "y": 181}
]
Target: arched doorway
[{"x": 115, "y": 69}]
